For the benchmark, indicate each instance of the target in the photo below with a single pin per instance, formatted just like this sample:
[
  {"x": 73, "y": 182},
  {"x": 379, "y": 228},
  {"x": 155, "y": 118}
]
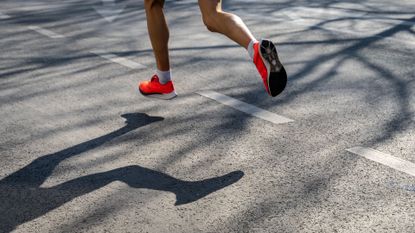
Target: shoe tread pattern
[{"x": 277, "y": 79}]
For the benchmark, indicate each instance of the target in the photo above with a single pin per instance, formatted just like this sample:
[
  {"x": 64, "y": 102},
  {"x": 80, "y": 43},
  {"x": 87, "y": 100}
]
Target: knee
[
  {"x": 210, "y": 21},
  {"x": 149, "y": 4}
]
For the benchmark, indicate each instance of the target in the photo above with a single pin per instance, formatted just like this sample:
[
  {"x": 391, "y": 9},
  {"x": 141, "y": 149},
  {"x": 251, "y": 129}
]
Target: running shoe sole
[
  {"x": 277, "y": 76},
  {"x": 168, "y": 96}
]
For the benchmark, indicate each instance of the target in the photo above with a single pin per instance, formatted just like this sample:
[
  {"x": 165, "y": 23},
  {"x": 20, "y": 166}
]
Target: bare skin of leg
[
  {"x": 230, "y": 25},
  {"x": 159, "y": 32},
  {"x": 215, "y": 19}
]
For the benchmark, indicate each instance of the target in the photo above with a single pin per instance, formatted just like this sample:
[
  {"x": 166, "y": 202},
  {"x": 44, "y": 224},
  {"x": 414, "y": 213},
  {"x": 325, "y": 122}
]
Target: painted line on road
[
  {"x": 46, "y": 32},
  {"x": 244, "y": 107},
  {"x": 385, "y": 159},
  {"x": 4, "y": 16},
  {"x": 120, "y": 60}
]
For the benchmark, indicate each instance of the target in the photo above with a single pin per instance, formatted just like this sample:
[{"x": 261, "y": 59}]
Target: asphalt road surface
[{"x": 82, "y": 151}]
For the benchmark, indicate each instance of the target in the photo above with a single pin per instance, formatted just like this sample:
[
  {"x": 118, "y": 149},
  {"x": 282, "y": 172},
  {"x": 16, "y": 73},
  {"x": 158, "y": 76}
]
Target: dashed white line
[
  {"x": 46, "y": 32},
  {"x": 120, "y": 60},
  {"x": 244, "y": 107},
  {"x": 385, "y": 159},
  {"x": 3, "y": 16},
  {"x": 109, "y": 56}
]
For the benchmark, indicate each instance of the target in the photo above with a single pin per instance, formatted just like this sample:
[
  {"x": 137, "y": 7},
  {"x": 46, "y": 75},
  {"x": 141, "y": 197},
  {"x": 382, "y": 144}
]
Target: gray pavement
[{"x": 82, "y": 151}]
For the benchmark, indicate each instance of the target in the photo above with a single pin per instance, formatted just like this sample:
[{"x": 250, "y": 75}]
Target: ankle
[
  {"x": 250, "y": 48},
  {"x": 164, "y": 76}
]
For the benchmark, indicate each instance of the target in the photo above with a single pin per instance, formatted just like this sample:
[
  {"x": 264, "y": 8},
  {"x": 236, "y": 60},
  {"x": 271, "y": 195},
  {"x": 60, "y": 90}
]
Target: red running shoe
[
  {"x": 269, "y": 67},
  {"x": 155, "y": 89}
]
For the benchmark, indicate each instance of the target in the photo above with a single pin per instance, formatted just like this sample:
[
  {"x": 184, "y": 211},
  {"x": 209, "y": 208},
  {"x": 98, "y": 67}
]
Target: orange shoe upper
[
  {"x": 259, "y": 63},
  {"x": 155, "y": 87}
]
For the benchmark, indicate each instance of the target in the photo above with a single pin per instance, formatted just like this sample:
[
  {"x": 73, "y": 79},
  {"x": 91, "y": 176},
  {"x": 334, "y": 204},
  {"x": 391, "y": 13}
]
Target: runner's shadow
[{"x": 22, "y": 199}]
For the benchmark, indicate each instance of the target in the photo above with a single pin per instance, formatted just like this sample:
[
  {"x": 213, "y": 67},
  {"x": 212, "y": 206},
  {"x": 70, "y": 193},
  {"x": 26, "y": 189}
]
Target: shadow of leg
[
  {"x": 35, "y": 173},
  {"x": 139, "y": 177},
  {"x": 21, "y": 197}
]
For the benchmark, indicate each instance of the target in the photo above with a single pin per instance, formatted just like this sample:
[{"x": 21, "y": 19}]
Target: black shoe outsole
[{"x": 277, "y": 80}]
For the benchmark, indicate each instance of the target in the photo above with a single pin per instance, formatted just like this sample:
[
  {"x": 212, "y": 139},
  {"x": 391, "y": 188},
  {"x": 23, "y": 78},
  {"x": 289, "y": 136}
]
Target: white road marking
[
  {"x": 3, "y": 16},
  {"x": 244, "y": 107},
  {"x": 385, "y": 159},
  {"x": 46, "y": 32},
  {"x": 120, "y": 60}
]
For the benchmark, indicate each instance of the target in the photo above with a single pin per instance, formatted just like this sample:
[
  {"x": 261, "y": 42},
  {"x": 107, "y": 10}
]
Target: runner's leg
[
  {"x": 225, "y": 23},
  {"x": 160, "y": 85},
  {"x": 263, "y": 53},
  {"x": 159, "y": 32}
]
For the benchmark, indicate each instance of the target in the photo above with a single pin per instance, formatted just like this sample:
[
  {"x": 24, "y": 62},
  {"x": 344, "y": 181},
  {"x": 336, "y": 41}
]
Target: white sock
[
  {"x": 250, "y": 48},
  {"x": 164, "y": 76}
]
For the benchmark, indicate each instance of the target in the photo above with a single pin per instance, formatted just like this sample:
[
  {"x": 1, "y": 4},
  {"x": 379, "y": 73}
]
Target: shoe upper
[
  {"x": 155, "y": 87},
  {"x": 261, "y": 67}
]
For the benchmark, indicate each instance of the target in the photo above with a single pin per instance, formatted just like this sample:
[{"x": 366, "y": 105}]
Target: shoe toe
[{"x": 143, "y": 86}]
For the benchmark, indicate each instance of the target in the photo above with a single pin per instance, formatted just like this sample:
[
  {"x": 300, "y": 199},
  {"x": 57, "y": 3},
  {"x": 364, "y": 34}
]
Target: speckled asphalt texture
[{"x": 82, "y": 151}]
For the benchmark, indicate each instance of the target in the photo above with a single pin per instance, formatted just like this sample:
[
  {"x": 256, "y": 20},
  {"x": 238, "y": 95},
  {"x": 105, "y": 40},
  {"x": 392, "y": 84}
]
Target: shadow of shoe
[
  {"x": 136, "y": 120},
  {"x": 194, "y": 191}
]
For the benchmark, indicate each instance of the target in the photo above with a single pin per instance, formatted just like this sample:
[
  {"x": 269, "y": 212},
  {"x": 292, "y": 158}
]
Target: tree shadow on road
[
  {"x": 22, "y": 199},
  {"x": 301, "y": 85}
]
